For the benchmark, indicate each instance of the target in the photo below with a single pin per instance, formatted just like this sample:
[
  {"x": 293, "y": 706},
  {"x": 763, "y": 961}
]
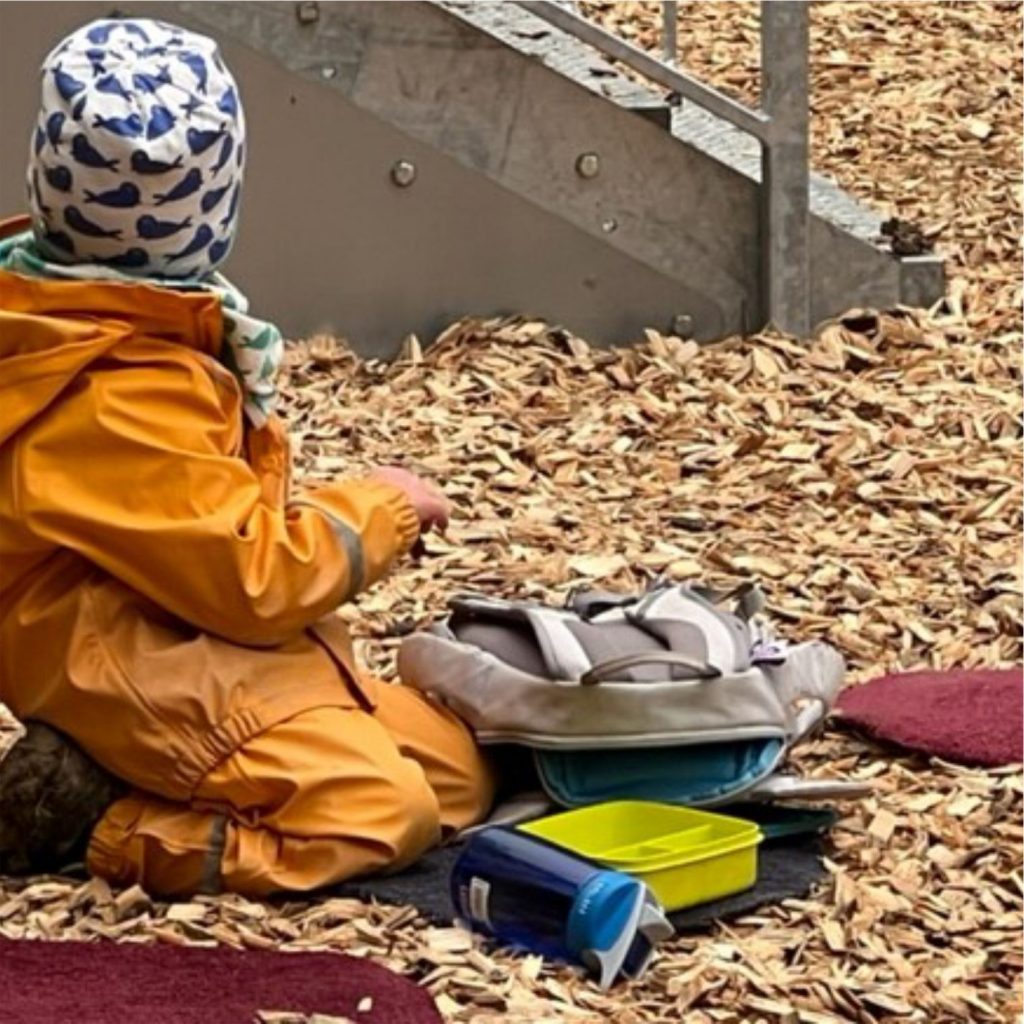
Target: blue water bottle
[{"x": 531, "y": 894}]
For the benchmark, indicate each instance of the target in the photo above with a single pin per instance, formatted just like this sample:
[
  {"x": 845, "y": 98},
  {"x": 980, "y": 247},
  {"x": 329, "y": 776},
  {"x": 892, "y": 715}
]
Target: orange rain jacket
[{"x": 146, "y": 545}]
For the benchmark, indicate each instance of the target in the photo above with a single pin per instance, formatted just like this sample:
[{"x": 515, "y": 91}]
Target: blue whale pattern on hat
[
  {"x": 67, "y": 85},
  {"x": 195, "y": 63},
  {"x": 212, "y": 198},
  {"x": 200, "y": 141},
  {"x": 200, "y": 240},
  {"x": 128, "y": 127},
  {"x": 161, "y": 121},
  {"x": 54, "y": 125},
  {"x": 220, "y": 249},
  {"x": 111, "y": 84},
  {"x": 191, "y": 105},
  {"x": 228, "y": 103},
  {"x": 134, "y": 259},
  {"x": 192, "y": 182},
  {"x": 58, "y": 177},
  {"x": 124, "y": 196},
  {"x": 232, "y": 207},
  {"x": 96, "y": 58},
  {"x": 225, "y": 154},
  {"x": 151, "y": 83},
  {"x": 142, "y": 163},
  {"x": 149, "y": 226},
  {"x": 100, "y": 33},
  {"x": 86, "y": 154},
  {"x": 77, "y": 221}
]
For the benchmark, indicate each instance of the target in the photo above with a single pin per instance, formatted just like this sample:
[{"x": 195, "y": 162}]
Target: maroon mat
[
  {"x": 971, "y": 716},
  {"x": 107, "y": 983}
]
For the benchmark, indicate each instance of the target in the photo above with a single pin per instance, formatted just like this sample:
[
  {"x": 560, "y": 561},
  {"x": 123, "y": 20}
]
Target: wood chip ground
[{"x": 871, "y": 478}]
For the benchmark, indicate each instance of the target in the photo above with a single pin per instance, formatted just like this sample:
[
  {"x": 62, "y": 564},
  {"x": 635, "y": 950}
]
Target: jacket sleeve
[{"x": 130, "y": 472}]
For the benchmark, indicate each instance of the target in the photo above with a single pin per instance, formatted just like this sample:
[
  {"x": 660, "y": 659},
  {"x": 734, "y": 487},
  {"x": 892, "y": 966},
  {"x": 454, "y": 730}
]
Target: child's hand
[{"x": 431, "y": 506}]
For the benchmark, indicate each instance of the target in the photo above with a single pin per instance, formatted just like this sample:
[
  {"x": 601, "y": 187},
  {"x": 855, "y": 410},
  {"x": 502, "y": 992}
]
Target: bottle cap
[{"x": 614, "y": 921}]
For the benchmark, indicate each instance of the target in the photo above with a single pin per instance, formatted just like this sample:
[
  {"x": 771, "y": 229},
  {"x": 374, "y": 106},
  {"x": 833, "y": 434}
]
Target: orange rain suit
[{"x": 165, "y": 602}]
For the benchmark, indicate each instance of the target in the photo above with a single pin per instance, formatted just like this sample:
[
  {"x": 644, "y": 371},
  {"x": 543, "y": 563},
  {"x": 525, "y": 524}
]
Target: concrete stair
[{"x": 412, "y": 162}]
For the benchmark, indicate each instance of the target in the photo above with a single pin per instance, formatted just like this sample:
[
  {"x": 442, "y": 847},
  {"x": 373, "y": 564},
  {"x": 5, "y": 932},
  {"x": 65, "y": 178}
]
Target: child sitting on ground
[{"x": 165, "y": 599}]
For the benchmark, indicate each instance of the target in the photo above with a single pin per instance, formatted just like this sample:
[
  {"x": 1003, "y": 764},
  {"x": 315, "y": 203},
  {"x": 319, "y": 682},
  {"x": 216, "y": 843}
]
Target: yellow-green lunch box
[{"x": 684, "y": 856}]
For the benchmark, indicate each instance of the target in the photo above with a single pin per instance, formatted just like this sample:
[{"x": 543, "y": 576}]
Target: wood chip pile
[{"x": 871, "y": 478}]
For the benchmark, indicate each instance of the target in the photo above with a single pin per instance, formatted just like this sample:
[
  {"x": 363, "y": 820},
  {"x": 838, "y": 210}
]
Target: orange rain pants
[{"x": 327, "y": 795}]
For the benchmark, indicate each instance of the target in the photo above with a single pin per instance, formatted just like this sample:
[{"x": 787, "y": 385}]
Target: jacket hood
[{"x": 50, "y": 331}]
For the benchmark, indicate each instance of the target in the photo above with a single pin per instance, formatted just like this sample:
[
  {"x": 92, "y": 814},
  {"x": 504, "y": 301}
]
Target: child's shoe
[{"x": 51, "y": 796}]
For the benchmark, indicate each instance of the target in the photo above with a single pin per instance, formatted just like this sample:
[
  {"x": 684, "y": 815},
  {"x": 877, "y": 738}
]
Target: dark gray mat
[{"x": 785, "y": 870}]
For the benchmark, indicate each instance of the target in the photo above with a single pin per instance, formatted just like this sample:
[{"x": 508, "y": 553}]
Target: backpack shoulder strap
[{"x": 564, "y": 655}]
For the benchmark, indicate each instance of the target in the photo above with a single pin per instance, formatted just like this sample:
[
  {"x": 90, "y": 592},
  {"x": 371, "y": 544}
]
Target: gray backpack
[{"x": 667, "y": 695}]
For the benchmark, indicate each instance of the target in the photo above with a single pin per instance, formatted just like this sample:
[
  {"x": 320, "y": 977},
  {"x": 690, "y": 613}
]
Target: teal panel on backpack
[{"x": 698, "y": 774}]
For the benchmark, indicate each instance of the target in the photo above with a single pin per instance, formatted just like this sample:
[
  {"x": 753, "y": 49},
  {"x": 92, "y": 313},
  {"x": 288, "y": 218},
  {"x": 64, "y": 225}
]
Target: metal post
[
  {"x": 669, "y": 28},
  {"x": 785, "y": 155}
]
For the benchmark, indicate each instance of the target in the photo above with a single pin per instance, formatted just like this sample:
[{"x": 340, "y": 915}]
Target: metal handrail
[
  {"x": 780, "y": 125},
  {"x": 685, "y": 85}
]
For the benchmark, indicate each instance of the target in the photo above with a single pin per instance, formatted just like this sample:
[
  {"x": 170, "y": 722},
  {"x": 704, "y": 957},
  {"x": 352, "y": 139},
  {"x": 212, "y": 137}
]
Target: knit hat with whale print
[{"x": 137, "y": 156}]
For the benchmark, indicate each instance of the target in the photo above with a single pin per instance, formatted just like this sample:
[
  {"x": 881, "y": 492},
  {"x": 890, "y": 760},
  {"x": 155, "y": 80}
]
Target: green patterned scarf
[{"x": 252, "y": 348}]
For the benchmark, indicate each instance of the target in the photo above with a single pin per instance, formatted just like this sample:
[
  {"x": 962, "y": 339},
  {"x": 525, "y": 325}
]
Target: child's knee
[
  {"x": 409, "y": 816},
  {"x": 472, "y": 796}
]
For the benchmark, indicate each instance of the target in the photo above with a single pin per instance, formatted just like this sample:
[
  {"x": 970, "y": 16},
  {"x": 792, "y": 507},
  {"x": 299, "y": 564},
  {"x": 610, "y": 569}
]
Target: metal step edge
[{"x": 553, "y": 48}]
